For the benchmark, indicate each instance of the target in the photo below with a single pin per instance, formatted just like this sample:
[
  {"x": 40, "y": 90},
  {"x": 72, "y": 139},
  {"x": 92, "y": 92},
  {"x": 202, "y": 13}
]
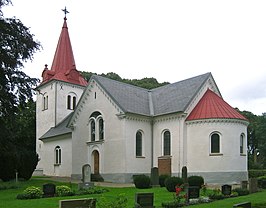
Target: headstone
[
  {"x": 253, "y": 185},
  {"x": 77, "y": 203},
  {"x": 243, "y": 205},
  {"x": 154, "y": 176},
  {"x": 48, "y": 190},
  {"x": 86, "y": 173},
  {"x": 144, "y": 200},
  {"x": 184, "y": 174},
  {"x": 86, "y": 178},
  {"x": 226, "y": 190},
  {"x": 244, "y": 184},
  {"x": 193, "y": 192}
]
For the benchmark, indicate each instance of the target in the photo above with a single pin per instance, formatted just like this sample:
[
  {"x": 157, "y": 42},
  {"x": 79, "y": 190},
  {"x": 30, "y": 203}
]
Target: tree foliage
[
  {"x": 148, "y": 83},
  {"x": 17, "y": 109}
]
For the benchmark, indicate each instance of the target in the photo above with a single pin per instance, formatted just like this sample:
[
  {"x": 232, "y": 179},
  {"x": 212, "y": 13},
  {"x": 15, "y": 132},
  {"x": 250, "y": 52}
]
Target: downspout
[{"x": 55, "y": 110}]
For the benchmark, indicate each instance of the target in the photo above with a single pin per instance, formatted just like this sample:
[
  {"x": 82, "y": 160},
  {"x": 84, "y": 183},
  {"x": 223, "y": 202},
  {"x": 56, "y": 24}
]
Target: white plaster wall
[
  {"x": 137, "y": 165},
  {"x": 112, "y": 150},
  {"x": 48, "y": 157},
  {"x": 174, "y": 124},
  {"x": 198, "y": 147}
]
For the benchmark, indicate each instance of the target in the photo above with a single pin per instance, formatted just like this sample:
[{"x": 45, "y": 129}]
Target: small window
[
  {"x": 138, "y": 144},
  {"x": 215, "y": 143},
  {"x": 101, "y": 129},
  {"x": 58, "y": 158},
  {"x": 45, "y": 102},
  {"x": 71, "y": 101},
  {"x": 242, "y": 144},
  {"x": 166, "y": 143}
]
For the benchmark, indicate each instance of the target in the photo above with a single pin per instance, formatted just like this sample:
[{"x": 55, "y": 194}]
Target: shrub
[
  {"x": 32, "y": 192},
  {"x": 262, "y": 182},
  {"x": 241, "y": 192},
  {"x": 95, "y": 190},
  {"x": 256, "y": 173},
  {"x": 195, "y": 181},
  {"x": 162, "y": 179},
  {"x": 171, "y": 182},
  {"x": 63, "y": 191},
  {"x": 142, "y": 181},
  {"x": 119, "y": 202}
]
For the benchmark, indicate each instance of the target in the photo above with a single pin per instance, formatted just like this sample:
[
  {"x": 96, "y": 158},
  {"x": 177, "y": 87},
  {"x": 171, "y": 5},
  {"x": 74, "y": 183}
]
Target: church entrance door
[{"x": 96, "y": 161}]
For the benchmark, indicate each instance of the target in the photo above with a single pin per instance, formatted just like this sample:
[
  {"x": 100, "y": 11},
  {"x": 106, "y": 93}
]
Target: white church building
[{"x": 121, "y": 130}]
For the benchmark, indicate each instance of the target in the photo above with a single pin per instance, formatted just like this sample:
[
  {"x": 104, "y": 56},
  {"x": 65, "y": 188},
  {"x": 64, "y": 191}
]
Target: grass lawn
[{"x": 8, "y": 197}]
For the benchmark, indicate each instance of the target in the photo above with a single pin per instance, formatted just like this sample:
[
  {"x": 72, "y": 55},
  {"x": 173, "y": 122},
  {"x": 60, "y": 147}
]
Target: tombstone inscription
[
  {"x": 226, "y": 190},
  {"x": 144, "y": 200},
  {"x": 193, "y": 192},
  {"x": 154, "y": 176}
]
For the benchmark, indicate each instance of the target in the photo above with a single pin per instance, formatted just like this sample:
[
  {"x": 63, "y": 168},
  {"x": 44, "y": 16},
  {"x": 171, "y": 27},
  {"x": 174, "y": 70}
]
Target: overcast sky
[{"x": 169, "y": 40}]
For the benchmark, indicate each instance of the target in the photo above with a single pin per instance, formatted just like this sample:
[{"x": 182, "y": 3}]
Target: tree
[{"x": 17, "y": 140}]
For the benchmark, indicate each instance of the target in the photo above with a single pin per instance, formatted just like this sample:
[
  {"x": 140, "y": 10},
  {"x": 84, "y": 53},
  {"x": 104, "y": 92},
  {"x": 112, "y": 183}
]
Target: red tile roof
[
  {"x": 63, "y": 66},
  {"x": 213, "y": 106}
]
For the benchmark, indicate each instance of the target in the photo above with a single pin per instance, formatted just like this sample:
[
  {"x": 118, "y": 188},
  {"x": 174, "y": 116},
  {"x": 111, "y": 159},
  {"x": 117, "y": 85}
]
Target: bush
[
  {"x": 256, "y": 173},
  {"x": 162, "y": 179},
  {"x": 195, "y": 181},
  {"x": 63, "y": 191},
  {"x": 120, "y": 201},
  {"x": 95, "y": 190},
  {"x": 142, "y": 181},
  {"x": 171, "y": 182},
  {"x": 262, "y": 182},
  {"x": 241, "y": 192},
  {"x": 32, "y": 192}
]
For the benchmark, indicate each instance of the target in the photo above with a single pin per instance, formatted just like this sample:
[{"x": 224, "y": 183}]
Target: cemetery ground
[{"x": 8, "y": 196}]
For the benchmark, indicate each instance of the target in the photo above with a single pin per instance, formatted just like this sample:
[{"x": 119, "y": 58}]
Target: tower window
[
  {"x": 71, "y": 101},
  {"x": 215, "y": 143},
  {"x": 138, "y": 144},
  {"x": 166, "y": 143},
  {"x": 58, "y": 155},
  {"x": 45, "y": 102}
]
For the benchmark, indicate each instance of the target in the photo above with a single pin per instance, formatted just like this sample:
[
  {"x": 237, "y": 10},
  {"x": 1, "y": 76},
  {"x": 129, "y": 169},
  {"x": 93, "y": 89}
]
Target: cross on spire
[{"x": 65, "y": 11}]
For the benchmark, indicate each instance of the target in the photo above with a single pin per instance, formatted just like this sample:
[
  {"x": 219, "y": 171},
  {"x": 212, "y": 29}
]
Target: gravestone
[
  {"x": 86, "y": 178},
  {"x": 253, "y": 185},
  {"x": 86, "y": 173},
  {"x": 77, "y": 203},
  {"x": 184, "y": 174},
  {"x": 244, "y": 184},
  {"x": 154, "y": 176},
  {"x": 226, "y": 190},
  {"x": 144, "y": 200},
  {"x": 193, "y": 192},
  {"x": 48, "y": 190},
  {"x": 243, "y": 205}
]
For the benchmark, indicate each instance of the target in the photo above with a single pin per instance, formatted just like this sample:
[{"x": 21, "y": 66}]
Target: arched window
[
  {"x": 215, "y": 143},
  {"x": 101, "y": 129},
  {"x": 242, "y": 142},
  {"x": 58, "y": 157},
  {"x": 45, "y": 102},
  {"x": 166, "y": 143},
  {"x": 71, "y": 101},
  {"x": 92, "y": 130},
  {"x": 138, "y": 144}
]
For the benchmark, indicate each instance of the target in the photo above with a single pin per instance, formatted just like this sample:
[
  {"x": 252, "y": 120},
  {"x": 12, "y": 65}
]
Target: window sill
[
  {"x": 95, "y": 142},
  {"x": 242, "y": 154},
  {"x": 57, "y": 164},
  {"x": 140, "y": 156},
  {"x": 216, "y": 154}
]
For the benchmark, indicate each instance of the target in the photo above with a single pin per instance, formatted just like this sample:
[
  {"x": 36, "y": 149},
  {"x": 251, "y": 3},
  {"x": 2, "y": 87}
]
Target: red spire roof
[
  {"x": 213, "y": 106},
  {"x": 63, "y": 66}
]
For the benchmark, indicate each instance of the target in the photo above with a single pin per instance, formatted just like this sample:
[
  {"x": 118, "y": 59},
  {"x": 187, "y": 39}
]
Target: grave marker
[
  {"x": 226, "y": 190},
  {"x": 193, "y": 192},
  {"x": 77, "y": 203},
  {"x": 48, "y": 190},
  {"x": 144, "y": 200},
  {"x": 154, "y": 176}
]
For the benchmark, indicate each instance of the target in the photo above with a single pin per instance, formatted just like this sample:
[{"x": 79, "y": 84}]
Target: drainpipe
[{"x": 152, "y": 123}]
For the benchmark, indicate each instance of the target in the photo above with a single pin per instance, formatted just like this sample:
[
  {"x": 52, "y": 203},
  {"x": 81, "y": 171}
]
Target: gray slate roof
[
  {"x": 60, "y": 129},
  {"x": 163, "y": 100}
]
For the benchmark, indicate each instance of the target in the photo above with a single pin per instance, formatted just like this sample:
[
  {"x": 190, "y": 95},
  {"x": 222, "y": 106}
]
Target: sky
[{"x": 170, "y": 40}]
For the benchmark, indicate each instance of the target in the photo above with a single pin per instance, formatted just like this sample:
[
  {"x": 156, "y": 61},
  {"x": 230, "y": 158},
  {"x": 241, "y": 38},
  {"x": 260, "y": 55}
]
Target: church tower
[{"x": 59, "y": 91}]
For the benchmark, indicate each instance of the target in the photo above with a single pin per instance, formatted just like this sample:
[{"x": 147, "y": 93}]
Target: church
[{"x": 121, "y": 130}]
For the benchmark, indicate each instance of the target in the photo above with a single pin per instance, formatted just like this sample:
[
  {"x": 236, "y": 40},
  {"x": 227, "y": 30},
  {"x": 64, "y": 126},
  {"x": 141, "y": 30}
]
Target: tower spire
[{"x": 63, "y": 67}]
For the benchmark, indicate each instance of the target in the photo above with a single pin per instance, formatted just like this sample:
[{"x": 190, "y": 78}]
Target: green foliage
[
  {"x": 94, "y": 190},
  {"x": 120, "y": 201},
  {"x": 256, "y": 173},
  {"x": 162, "y": 179},
  {"x": 262, "y": 182},
  {"x": 241, "y": 192},
  {"x": 142, "y": 181},
  {"x": 172, "y": 182},
  {"x": 195, "y": 181},
  {"x": 63, "y": 191},
  {"x": 31, "y": 192}
]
